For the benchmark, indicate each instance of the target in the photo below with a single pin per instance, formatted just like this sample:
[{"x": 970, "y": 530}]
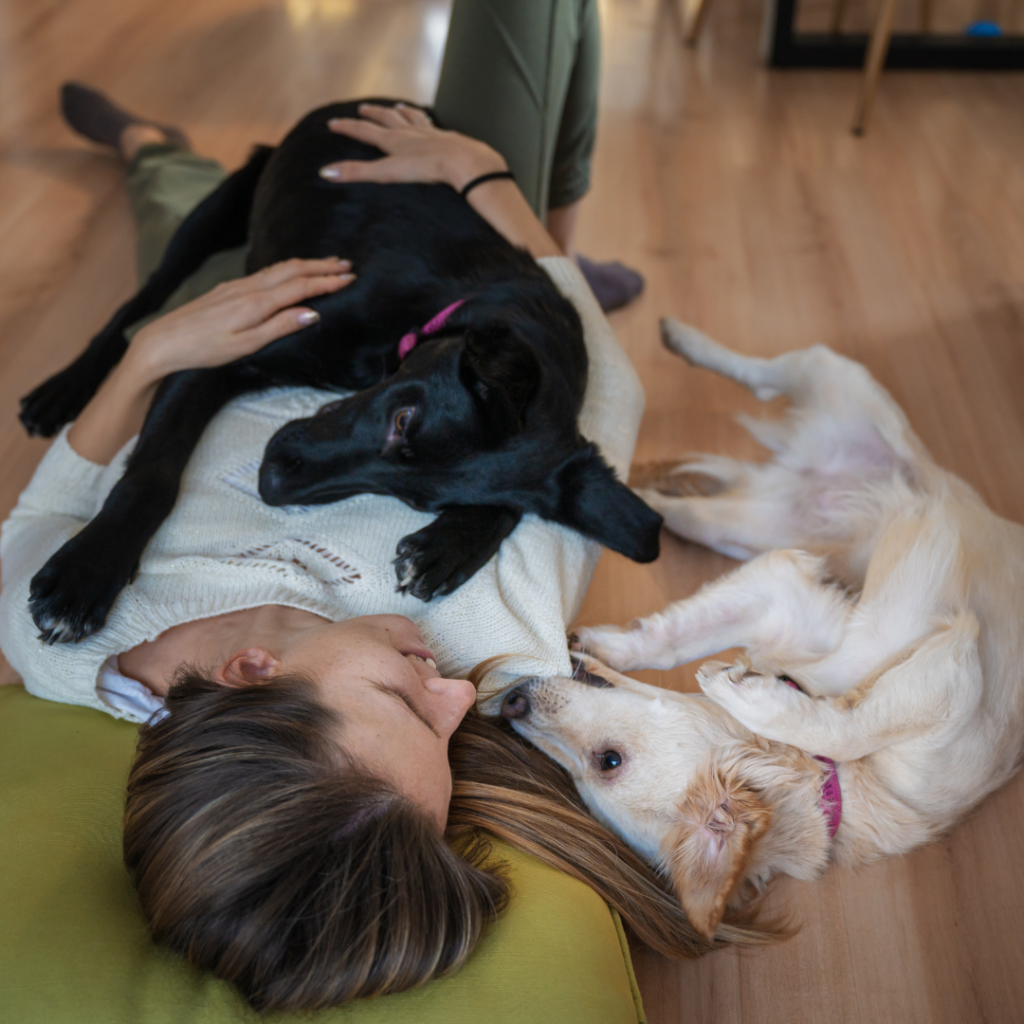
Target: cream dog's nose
[{"x": 515, "y": 705}]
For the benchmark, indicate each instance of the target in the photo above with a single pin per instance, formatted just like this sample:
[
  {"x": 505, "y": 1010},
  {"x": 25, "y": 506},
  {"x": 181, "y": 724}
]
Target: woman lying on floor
[{"x": 304, "y": 812}]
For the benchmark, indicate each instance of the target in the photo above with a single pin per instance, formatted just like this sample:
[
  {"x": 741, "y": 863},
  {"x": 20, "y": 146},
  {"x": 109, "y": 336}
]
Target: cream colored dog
[{"x": 881, "y": 613}]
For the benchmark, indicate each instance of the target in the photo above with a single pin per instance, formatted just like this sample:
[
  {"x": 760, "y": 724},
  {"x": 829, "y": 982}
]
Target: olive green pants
[{"x": 521, "y": 75}]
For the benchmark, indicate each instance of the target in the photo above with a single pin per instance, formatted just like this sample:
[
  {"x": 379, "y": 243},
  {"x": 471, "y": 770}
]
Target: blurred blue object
[{"x": 983, "y": 28}]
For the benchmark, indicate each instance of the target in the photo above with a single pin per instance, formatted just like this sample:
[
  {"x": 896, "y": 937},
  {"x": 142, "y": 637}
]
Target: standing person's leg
[
  {"x": 614, "y": 285},
  {"x": 504, "y": 80},
  {"x": 524, "y": 78},
  {"x": 577, "y": 131}
]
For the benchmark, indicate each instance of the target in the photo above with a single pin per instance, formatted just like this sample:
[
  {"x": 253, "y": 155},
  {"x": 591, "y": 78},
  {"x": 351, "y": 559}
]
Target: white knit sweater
[{"x": 222, "y": 549}]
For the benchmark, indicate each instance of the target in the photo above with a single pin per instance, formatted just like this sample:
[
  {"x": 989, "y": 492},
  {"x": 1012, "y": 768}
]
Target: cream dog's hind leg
[
  {"x": 813, "y": 379},
  {"x": 843, "y": 430},
  {"x": 777, "y": 607}
]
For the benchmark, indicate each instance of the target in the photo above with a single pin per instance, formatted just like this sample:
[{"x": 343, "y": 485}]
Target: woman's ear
[
  {"x": 250, "y": 667},
  {"x": 707, "y": 851}
]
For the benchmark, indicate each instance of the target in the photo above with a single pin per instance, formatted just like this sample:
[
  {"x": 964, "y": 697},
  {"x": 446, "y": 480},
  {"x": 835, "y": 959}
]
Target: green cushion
[{"x": 74, "y": 947}]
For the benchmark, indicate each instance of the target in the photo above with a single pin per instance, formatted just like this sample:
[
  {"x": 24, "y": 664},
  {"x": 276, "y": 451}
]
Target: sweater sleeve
[
  {"x": 64, "y": 494},
  {"x": 614, "y": 401}
]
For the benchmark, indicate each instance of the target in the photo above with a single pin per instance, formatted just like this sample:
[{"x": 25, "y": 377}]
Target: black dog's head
[
  {"x": 415, "y": 435},
  {"x": 466, "y": 420}
]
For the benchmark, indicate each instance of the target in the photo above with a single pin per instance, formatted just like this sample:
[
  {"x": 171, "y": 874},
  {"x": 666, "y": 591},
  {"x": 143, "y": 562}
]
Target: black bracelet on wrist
[{"x": 490, "y": 176}]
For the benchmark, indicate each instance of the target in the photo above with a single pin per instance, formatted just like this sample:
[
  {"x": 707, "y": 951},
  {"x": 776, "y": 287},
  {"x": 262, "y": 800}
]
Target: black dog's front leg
[
  {"x": 74, "y": 591},
  {"x": 220, "y": 221},
  {"x": 444, "y": 554},
  {"x": 60, "y": 398}
]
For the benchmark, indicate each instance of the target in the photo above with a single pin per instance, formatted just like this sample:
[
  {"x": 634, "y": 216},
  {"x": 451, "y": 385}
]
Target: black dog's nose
[
  {"x": 515, "y": 705},
  {"x": 274, "y": 479}
]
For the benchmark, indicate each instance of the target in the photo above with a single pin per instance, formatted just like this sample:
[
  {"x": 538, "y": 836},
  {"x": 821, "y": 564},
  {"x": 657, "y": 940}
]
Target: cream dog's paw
[
  {"x": 761, "y": 703},
  {"x": 617, "y": 647}
]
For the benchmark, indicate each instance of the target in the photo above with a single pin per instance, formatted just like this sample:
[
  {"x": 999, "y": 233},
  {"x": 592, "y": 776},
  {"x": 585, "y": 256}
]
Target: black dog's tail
[{"x": 220, "y": 221}]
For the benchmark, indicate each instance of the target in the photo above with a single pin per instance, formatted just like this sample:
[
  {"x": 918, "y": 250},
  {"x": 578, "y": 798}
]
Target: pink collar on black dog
[{"x": 432, "y": 326}]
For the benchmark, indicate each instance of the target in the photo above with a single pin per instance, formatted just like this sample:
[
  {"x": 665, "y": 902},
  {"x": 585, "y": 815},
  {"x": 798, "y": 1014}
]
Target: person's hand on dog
[
  {"x": 418, "y": 151},
  {"x": 235, "y": 319}
]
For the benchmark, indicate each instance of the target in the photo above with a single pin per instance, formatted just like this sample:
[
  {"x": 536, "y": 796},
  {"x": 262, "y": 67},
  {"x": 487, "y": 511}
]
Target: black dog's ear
[
  {"x": 503, "y": 373},
  {"x": 593, "y": 501}
]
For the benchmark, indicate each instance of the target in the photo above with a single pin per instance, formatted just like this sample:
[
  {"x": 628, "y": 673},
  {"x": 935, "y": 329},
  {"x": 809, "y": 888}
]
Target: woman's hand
[
  {"x": 235, "y": 319},
  {"x": 417, "y": 151}
]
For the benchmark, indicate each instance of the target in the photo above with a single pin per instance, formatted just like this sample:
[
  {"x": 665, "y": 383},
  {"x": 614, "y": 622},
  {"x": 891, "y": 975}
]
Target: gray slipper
[
  {"x": 613, "y": 284},
  {"x": 90, "y": 113}
]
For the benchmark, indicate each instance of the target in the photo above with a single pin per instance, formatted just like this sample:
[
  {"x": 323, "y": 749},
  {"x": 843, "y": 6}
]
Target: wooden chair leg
[
  {"x": 878, "y": 47},
  {"x": 697, "y": 20},
  {"x": 837, "y": 16}
]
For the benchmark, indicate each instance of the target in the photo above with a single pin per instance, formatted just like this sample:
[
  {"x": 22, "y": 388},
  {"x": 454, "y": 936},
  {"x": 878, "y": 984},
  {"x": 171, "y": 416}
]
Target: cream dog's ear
[{"x": 707, "y": 850}]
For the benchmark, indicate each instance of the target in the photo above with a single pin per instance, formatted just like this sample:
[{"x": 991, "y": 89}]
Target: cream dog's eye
[{"x": 609, "y": 760}]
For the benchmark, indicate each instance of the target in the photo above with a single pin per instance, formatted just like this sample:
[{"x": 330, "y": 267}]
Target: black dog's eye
[
  {"x": 610, "y": 760},
  {"x": 401, "y": 423}
]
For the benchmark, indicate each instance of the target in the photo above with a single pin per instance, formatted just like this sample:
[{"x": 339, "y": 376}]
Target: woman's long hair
[{"x": 261, "y": 854}]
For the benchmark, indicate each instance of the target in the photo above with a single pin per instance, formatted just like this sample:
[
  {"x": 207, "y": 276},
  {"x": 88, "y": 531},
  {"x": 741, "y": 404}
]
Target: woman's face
[{"x": 396, "y": 713}]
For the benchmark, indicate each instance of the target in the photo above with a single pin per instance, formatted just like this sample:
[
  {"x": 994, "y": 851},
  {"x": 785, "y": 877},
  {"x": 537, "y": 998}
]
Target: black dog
[{"x": 478, "y": 423}]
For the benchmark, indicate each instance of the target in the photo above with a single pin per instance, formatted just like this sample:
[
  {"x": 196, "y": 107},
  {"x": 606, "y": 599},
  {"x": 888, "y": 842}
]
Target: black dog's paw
[
  {"x": 438, "y": 559},
  {"x": 71, "y": 596},
  {"x": 426, "y": 569},
  {"x": 55, "y": 402}
]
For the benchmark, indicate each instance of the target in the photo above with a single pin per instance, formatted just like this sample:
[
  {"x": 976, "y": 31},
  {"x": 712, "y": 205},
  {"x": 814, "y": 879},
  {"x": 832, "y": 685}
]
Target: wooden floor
[{"x": 753, "y": 214}]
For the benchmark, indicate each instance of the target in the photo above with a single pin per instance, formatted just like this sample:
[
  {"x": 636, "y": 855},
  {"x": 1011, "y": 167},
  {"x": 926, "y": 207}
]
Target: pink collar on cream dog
[
  {"x": 831, "y": 802},
  {"x": 432, "y": 326}
]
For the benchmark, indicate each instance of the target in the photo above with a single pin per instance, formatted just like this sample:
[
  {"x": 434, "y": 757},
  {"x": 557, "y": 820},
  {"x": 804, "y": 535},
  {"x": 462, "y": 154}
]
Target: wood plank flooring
[{"x": 753, "y": 214}]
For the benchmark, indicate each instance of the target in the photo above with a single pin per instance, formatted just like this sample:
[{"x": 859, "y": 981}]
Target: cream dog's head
[{"x": 678, "y": 778}]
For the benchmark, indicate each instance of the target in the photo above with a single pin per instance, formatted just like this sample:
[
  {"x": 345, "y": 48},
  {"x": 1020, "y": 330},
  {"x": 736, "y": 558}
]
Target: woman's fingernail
[
  {"x": 330, "y": 172},
  {"x": 346, "y": 264},
  {"x": 308, "y": 316},
  {"x": 346, "y": 278}
]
